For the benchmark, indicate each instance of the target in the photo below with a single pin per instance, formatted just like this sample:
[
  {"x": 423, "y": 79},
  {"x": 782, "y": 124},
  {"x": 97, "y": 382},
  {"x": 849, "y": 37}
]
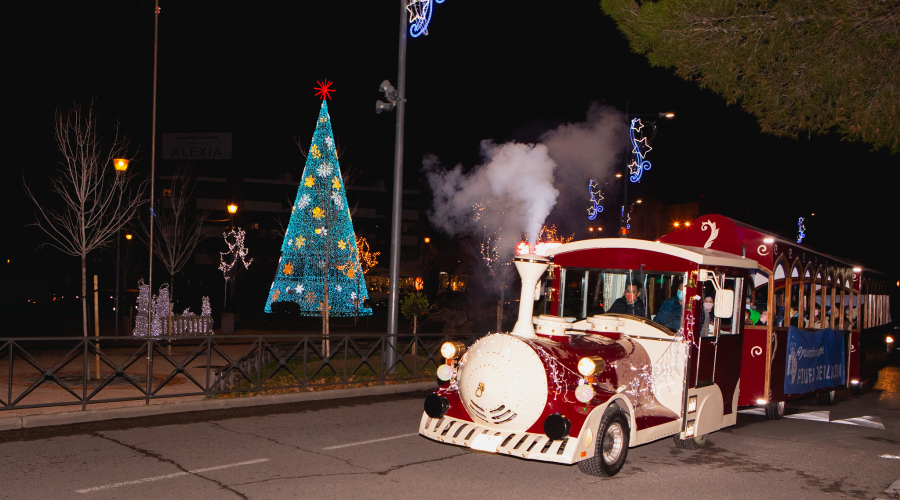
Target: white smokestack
[{"x": 530, "y": 268}]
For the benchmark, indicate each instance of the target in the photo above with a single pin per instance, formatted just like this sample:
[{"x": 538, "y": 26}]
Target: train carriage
[
  {"x": 596, "y": 374},
  {"x": 796, "y": 286}
]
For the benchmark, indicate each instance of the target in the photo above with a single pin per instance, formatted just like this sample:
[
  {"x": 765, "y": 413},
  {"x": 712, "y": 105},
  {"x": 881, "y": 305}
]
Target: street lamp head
[
  {"x": 383, "y": 107},
  {"x": 232, "y": 208},
  {"x": 427, "y": 240},
  {"x": 121, "y": 164},
  {"x": 667, "y": 114},
  {"x": 387, "y": 88},
  {"x": 639, "y": 201},
  {"x": 618, "y": 175},
  {"x": 128, "y": 237}
]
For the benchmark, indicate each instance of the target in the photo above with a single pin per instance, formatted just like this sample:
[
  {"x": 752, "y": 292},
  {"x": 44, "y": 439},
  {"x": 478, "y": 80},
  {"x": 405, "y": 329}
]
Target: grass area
[{"x": 329, "y": 377}]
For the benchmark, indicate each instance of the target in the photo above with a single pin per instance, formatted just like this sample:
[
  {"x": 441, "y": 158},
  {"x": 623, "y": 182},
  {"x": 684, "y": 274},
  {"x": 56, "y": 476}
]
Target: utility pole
[
  {"x": 390, "y": 356},
  {"x": 153, "y": 162}
]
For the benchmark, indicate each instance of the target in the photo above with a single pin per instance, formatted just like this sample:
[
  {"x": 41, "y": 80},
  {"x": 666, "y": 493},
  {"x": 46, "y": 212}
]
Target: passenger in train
[
  {"x": 816, "y": 321},
  {"x": 669, "y": 314},
  {"x": 763, "y": 317},
  {"x": 795, "y": 316},
  {"x": 751, "y": 316},
  {"x": 707, "y": 326},
  {"x": 631, "y": 303}
]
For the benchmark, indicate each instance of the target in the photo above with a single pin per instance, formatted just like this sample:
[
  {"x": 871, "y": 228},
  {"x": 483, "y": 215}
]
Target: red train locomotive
[{"x": 584, "y": 383}]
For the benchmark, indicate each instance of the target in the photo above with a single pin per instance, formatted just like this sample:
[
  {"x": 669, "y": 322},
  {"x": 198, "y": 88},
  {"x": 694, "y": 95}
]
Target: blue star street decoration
[
  {"x": 640, "y": 148},
  {"x": 596, "y": 198},
  {"x": 420, "y": 15}
]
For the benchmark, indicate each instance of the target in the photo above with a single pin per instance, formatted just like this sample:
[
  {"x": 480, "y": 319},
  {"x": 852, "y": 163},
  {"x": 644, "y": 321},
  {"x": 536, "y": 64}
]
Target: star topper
[{"x": 324, "y": 89}]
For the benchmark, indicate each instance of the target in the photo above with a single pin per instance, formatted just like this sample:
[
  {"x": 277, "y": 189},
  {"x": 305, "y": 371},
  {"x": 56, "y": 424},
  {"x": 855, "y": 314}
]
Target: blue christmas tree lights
[{"x": 320, "y": 243}]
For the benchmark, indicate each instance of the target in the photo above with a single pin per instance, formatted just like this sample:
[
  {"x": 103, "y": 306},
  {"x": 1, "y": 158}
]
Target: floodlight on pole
[{"x": 390, "y": 93}]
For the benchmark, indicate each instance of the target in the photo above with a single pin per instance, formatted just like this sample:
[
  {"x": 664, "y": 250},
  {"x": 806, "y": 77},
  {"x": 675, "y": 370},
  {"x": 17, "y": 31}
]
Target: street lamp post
[
  {"x": 152, "y": 183},
  {"x": 397, "y": 206},
  {"x": 232, "y": 209},
  {"x": 121, "y": 165}
]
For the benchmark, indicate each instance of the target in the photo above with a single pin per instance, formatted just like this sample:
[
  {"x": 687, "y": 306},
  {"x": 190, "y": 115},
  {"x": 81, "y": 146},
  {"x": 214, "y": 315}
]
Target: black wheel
[
  {"x": 611, "y": 447},
  {"x": 691, "y": 443},
  {"x": 775, "y": 411},
  {"x": 827, "y": 398}
]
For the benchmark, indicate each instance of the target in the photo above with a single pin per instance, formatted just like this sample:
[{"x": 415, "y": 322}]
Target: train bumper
[{"x": 526, "y": 445}]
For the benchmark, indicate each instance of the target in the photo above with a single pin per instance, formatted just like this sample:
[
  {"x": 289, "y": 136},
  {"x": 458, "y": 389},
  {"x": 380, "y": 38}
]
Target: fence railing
[{"x": 45, "y": 372}]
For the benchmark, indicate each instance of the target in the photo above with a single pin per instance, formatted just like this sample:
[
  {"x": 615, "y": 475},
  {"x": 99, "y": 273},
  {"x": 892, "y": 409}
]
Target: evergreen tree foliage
[
  {"x": 319, "y": 240},
  {"x": 802, "y": 67}
]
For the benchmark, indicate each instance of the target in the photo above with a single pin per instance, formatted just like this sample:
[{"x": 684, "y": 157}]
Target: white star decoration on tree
[
  {"x": 299, "y": 289},
  {"x": 325, "y": 169}
]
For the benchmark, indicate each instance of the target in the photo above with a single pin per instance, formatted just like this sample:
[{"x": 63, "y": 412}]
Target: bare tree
[
  {"x": 177, "y": 231},
  {"x": 96, "y": 200}
]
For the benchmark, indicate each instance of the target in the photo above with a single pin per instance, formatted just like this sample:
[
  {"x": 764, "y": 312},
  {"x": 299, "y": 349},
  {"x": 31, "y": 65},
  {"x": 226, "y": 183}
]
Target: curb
[{"x": 79, "y": 417}]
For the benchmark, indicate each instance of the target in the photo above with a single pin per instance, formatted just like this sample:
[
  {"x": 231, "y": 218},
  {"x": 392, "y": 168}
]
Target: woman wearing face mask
[
  {"x": 706, "y": 326},
  {"x": 669, "y": 314}
]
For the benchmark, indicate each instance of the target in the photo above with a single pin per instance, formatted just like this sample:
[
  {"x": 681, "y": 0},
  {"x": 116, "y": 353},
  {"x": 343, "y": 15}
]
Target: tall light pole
[
  {"x": 153, "y": 162},
  {"x": 397, "y": 207},
  {"x": 121, "y": 165}
]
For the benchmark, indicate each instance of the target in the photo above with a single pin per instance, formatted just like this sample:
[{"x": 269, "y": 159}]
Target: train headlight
[
  {"x": 452, "y": 350},
  {"x": 590, "y": 366}
]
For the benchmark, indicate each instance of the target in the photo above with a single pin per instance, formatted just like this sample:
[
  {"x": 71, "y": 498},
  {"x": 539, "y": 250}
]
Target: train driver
[{"x": 630, "y": 303}]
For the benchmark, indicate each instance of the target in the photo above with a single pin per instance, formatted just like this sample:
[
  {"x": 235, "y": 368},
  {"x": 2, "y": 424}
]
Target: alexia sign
[{"x": 197, "y": 146}]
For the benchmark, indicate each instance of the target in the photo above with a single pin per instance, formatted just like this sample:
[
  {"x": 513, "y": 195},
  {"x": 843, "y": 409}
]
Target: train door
[{"x": 720, "y": 338}]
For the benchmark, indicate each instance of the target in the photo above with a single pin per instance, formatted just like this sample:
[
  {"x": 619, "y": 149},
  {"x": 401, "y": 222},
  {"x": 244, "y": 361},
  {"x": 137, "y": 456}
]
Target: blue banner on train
[{"x": 815, "y": 360}]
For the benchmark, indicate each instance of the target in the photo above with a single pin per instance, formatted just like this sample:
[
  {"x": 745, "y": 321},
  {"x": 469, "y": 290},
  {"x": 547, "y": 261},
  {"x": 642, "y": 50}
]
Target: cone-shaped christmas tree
[{"x": 319, "y": 240}]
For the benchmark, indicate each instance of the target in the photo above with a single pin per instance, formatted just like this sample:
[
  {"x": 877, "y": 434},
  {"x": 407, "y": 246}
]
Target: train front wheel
[{"x": 611, "y": 447}]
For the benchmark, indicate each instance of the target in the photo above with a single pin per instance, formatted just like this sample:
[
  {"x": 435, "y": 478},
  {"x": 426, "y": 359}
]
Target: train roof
[{"x": 698, "y": 255}]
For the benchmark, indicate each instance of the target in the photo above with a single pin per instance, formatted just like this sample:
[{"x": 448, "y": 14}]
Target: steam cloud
[{"x": 518, "y": 185}]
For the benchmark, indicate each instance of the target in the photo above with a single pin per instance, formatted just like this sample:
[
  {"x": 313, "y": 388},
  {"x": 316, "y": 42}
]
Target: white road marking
[
  {"x": 894, "y": 488},
  {"x": 371, "y": 441},
  {"x": 816, "y": 416},
  {"x": 867, "y": 421},
  {"x": 170, "y": 476},
  {"x": 895, "y": 457}
]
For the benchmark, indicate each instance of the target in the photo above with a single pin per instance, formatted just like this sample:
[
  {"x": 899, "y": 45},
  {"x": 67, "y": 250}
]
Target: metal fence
[{"x": 44, "y": 372}]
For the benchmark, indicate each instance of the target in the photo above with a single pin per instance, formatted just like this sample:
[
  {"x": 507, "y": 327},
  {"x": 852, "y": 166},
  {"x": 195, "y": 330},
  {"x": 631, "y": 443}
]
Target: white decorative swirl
[
  {"x": 713, "y": 232},
  {"x": 755, "y": 351},
  {"x": 852, "y": 348},
  {"x": 762, "y": 250}
]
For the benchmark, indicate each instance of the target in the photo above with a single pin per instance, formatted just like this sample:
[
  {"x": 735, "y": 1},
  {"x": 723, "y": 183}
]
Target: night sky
[{"x": 498, "y": 70}]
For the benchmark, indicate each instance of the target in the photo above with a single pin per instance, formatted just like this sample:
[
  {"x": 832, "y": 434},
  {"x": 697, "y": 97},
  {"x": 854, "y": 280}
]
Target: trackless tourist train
[{"x": 639, "y": 340}]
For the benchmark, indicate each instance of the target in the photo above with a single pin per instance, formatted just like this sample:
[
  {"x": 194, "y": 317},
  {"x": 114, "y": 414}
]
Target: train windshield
[{"x": 649, "y": 294}]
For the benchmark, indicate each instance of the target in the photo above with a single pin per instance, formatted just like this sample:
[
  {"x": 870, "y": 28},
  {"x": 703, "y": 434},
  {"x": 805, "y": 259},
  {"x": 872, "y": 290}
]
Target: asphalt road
[{"x": 368, "y": 448}]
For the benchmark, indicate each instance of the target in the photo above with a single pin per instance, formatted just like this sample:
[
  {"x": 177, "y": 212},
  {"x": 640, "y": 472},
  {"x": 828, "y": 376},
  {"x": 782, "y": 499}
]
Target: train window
[{"x": 587, "y": 292}]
